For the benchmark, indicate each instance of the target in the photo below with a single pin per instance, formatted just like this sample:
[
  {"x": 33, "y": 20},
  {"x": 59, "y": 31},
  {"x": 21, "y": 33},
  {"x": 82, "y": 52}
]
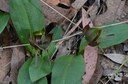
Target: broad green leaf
[
  {"x": 83, "y": 44},
  {"x": 27, "y": 18},
  {"x": 57, "y": 33},
  {"x": 50, "y": 50},
  {"x": 23, "y": 76},
  {"x": 39, "y": 68},
  {"x": 113, "y": 35},
  {"x": 4, "y": 17},
  {"x": 42, "y": 81},
  {"x": 68, "y": 70}
]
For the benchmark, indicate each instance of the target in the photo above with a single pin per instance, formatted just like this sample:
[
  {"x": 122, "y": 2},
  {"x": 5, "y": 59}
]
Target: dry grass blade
[
  {"x": 119, "y": 23},
  {"x": 13, "y": 46},
  {"x": 70, "y": 25},
  {"x": 68, "y": 37},
  {"x": 78, "y": 23}
]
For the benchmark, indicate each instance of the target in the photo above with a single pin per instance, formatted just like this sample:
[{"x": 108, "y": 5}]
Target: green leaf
[
  {"x": 4, "y": 17},
  {"x": 27, "y": 18},
  {"x": 83, "y": 44},
  {"x": 23, "y": 76},
  {"x": 50, "y": 50},
  {"x": 68, "y": 70},
  {"x": 39, "y": 68},
  {"x": 42, "y": 81},
  {"x": 57, "y": 33},
  {"x": 113, "y": 35}
]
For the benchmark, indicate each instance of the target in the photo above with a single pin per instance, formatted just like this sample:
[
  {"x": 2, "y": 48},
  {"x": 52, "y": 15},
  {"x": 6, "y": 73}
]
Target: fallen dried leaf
[
  {"x": 4, "y": 5},
  {"x": 54, "y": 2},
  {"x": 97, "y": 73},
  {"x": 6, "y": 80},
  {"x": 65, "y": 2},
  {"x": 118, "y": 58},
  {"x": 91, "y": 56},
  {"x": 85, "y": 19},
  {"x": 78, "y": 4},
  {"x": 5, "y": 56},
  {"x": 52, "y": 16},
  {"x": 18, "y": 58}
]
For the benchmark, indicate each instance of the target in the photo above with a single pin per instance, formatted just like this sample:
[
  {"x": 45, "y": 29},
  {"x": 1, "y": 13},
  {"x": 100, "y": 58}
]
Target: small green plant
[{"x": 28, "y": 20}]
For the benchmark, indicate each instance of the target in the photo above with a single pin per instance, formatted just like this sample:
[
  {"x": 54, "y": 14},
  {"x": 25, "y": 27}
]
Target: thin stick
[
  {"x": 70, "y": 24},
  {"x": 58, "y": 12},
  {"x": 14, "y": 46},
  {"x": 77, "y": 24},
  {"x": 65, "y": 38},
  {"x": 72, "y": 29},
  {"x": 112, "y": 24}
]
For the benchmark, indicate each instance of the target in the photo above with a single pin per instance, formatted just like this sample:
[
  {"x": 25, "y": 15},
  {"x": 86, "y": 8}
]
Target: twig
[
  {"x": 70, "y": 24},
  {"x": 65, "y": 38},
  {"x": 13, "y": 46},
  {"x": 78, "y": 23},
  {"x": 112, "y": 24},
  {"x": 72, "y": 29}
]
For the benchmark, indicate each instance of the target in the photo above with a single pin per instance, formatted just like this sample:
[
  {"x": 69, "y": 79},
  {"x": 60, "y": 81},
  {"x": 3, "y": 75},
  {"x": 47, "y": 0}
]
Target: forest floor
[{"x": 109, "y": 60}]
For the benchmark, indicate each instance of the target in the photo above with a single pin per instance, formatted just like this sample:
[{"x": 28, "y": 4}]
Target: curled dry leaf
[
  {"x": 90, "y": 57},
  {"x": 18, "y": 58}
]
